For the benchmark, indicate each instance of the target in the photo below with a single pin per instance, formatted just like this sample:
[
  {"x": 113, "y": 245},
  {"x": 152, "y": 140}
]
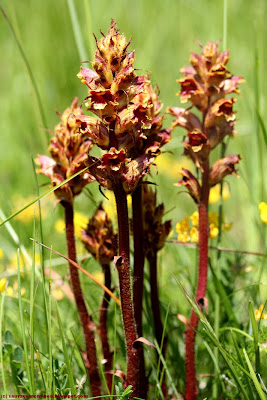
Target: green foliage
[{"x": 42, "y": 343}]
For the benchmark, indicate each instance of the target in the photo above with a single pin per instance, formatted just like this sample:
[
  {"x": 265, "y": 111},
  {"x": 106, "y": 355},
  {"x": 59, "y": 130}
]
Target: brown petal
[
  {"x": 223, "y": 167},
  {"x": 191, "y": 183},
  {"x": 184, "y": 118},
  {"x": 95, "y": 129}
]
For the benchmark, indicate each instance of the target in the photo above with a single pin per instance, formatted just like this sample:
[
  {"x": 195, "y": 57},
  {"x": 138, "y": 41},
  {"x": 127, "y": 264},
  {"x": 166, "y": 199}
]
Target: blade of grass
[
  {"x": 15, "y": 237},
  {"x": 41, "y": 196},
  {"x": 167, "y": 371},
  {"x": 89, "y": 27},
  {"x": 77, "y": 30},
  {"x": 223, "y": 297},
  {"x": 244, "y": 334},
  {"x": 32, "y": 300},
  {"x": 1, "y": 352},
  {"x": 66, "y": 355},
  {"x": 84, "y": 271},
  {"x": 254, "y": 377},
  {"x": 50, "y": 374},
  {"x": 241, "y": 361},
  {"x": 22, "y": 326},
  {"x": 255, "y": 336},
  {"x": 28, "y": 68}
]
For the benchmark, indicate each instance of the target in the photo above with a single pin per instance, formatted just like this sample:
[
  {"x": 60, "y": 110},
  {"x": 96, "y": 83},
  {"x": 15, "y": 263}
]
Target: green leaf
[{"x": 9, "y": 338}]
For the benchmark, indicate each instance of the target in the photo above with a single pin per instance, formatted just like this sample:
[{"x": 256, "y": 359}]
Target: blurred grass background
[{"x": 163, "y": 34}]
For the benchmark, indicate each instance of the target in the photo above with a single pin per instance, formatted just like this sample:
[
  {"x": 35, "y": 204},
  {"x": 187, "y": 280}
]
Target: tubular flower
[
  {"x": 155, "y": 231},
  {"x": 69, "y": 152},
  {"x": 99, "y": 237},
  {"x": 128, "y": 126}
]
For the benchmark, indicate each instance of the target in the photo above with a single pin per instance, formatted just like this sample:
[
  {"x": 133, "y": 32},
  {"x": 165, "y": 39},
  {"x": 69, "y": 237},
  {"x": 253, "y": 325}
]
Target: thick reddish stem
[
  {"x": 123, "y": 266},
  {"x": 138, "y": 277},
  {"x": 190, "y": 335},
  {"x": 86, "y": 321},
  {"x": 103, "y": 327},
  {"x": 155, "y": 306}
]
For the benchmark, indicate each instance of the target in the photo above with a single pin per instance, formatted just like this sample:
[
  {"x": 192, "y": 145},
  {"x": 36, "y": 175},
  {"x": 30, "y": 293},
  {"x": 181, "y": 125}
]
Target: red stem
[
  {"x": 103, "y": 327},
  {"x": 138, "y": 277},
  {"x": 190, "y": 335},
  {"x": 86, "y": 320},
  {"x": 123, "y": 266}
]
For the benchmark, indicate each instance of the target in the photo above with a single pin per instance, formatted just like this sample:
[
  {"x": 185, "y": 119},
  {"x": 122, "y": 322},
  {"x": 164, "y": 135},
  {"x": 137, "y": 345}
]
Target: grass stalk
[
  {"x": 66, "y": 355},
  {"x": 22, "y": 326},
  {"x": 77, "y": 30},
  {"x": 1, "y": 335},
  {"x": 29, "y": 70},
  {"x": 86, "y": 320},
  {"x": 103, "y": 326}
]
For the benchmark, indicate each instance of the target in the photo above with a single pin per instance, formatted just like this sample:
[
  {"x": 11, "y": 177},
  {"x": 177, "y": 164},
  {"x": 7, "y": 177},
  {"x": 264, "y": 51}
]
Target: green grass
[{"x": 41, "y": 56}]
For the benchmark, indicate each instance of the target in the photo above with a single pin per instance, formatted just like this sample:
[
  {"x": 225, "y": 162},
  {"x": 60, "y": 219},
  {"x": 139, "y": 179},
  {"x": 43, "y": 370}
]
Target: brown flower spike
[
  {"x": 205, "y": 83},
  {"x": 128, "y": 128},
  {"x": 69, "y": 152}
]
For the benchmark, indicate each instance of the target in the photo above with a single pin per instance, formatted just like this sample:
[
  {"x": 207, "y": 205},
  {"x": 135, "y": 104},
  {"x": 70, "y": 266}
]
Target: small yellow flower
[
  {"x": 259, "y": 314},
  {"x": 182, "y": 228},
  {"x": 99, "y": 276},
  {"x": 1, "y": 254},
  {"x": 214, "y": 231},
  {"x": 190, "y": 233},
  {"x": 60, "y": 226},
  {"x": 194, "y": 235},
  {"x": 215, "y": 193},
  {"x": 3, "y": 282},
  {"x": 9, "y": 291},
  {"x": 80, "y": 223},
  {"x": 171, "y": 167},
  {"x": 263, "y": 211},
  {"x": 57, "y": 294},
  {"x": 194, "y": 218}
]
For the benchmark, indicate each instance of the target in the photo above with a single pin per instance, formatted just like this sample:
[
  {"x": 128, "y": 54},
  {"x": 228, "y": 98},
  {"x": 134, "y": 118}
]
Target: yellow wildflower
[
  {"x": 182, "y": 228},
  {"x": 214, "y": 231},
  {"x": 215, "y": 193},
  {"x": 194, "y": 235},
  {"x": 80, "y": 222},
  {"x": 1, "y": 254},
  {"x": 259, "y": 314},
  {"x": 263, "y": 211},
  {"x": 194, "y": 218},
  {"x": 58, "y": 294},
  {"x": 190, "y": 233},
  {"x": 60, "y": 225},
  {"x": 3, "y": 282},
  {"x": 27, "y": 215},
  {"x": 99, "y": 276},
  {"x": 170, "y": 166},
  {"x": 10, "y": 291}
]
